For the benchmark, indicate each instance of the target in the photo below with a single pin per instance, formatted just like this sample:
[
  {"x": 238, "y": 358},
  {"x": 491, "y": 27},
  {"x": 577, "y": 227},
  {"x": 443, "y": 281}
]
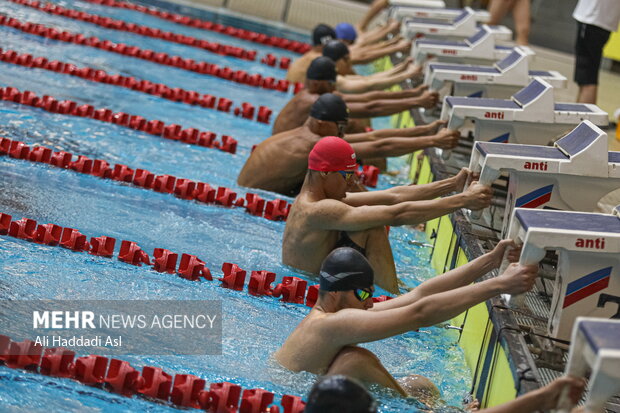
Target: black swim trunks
[
  {"x": 589, "y": 51},
  {"x": 346, "y": 241}
]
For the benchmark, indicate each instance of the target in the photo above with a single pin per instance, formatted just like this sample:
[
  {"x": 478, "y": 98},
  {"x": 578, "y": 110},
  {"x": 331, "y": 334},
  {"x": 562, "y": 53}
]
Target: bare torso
[
  {"x": 297, "y": 70},
  {"x": 306, "y": 349},
  {"x": 295, "y": 113},
  {"x": 304, "y": 247},
  {"x": 280, "y": 162}
]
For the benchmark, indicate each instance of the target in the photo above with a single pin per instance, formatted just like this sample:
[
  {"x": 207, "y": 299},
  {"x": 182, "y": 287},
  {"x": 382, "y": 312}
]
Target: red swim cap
[{"x": 332, "y": 154}]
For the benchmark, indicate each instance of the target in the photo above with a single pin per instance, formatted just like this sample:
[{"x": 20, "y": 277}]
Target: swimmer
[
  {"x": 347, "y": 82},
  {"x": 371, "y": 47},
  {"x": 341, "y": 394},
  {"x": 325, "y": 216},
  {"x": 325, "y": 342},
  {"x": 280, "y": 162},
  {"x": 321, "y": 35},
  {"x": 321, "y": 78}
]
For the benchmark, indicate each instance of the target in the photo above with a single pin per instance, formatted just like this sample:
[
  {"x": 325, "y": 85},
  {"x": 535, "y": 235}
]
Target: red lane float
[
  {"x": 255, "y": 37},
  {"x": 139, "y": 85},
  {"x": 133, "y": 51},
  {"x": 278, "y": 209},
  {"x": 291, "y": 289},
  {"x": 114, "y": 24},
  {"x": 153, "y": 127},
  {"x": 153, "y": 384}
]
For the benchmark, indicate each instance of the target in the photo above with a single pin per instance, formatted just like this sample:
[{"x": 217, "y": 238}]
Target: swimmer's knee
[{"x": 420, "y": 387}]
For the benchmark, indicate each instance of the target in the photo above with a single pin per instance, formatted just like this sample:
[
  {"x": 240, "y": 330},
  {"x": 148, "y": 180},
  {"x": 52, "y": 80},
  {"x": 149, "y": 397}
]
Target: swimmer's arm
[
  {"x": 367, "y": 56},
  {"x": 400, "y": 194},
  {"x": 367, "y": 84},
  {"x": 358, "y": 326},
  {"x": 378, "y": 95},
  {"x": 330, "y": 214},
  {"x": 397, "y": 146},
  {"x": 374, "y": 9},
  {"x": 383, "y": 107}
]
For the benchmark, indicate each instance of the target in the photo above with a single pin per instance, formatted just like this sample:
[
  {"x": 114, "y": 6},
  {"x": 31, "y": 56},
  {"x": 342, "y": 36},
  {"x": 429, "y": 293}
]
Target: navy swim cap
[
  {"x": 346, "y": 31},
  {"x": 339, "y": 394},
  {"x": 322, "y": 68},
  {"x": 335, "y": 50},
  {"x": 346, "y": 269},
  {"x": 330, "y": 107},
  {"x": 322, "y": 34}
]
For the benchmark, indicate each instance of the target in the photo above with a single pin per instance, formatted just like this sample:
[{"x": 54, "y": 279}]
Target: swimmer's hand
[
  {"x": 428, "y": 99},
  {"x": 447, "y": 139},
  {"x": 518, "y": 278},
  {"x": 461, "y": 179},
  {"x": 506, "y": 245},
  {"x": 550, "y": 394},
  {"x": 437, "y": 124},
  {"x": 477, "y": 196}
]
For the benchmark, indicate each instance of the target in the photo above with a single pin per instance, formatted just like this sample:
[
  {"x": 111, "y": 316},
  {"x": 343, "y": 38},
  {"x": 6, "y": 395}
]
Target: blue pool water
[{"x": 253, "y": 327}]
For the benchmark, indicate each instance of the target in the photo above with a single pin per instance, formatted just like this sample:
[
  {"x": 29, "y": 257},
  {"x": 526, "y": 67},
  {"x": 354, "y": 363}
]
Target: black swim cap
[
  {"x": 322, "y": 68},
  {"x": 335, "y": 50},
  {"x": 346, "y": 269},
  {"x": 322, "y": 34},
  {"x": 339, "y": 394},
  {"x": 330, "y": 107}
]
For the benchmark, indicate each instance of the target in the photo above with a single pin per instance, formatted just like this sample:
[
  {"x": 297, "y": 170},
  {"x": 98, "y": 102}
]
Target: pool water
[{"x": 253, "y": 327}]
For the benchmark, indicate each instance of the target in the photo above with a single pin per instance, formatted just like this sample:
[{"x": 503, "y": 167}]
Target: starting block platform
[
  {"x": 530, "y": 116},
  {"x": 462, "y": 26},
  {"x": 501, "y": 80},
  {"x": 588, "y": 272},
  {"x": 480, "y": 48},
  {"x": 573, "y": 175},
  {"x": 595, "y": 347},
  {"x": 400, "y": 9}
]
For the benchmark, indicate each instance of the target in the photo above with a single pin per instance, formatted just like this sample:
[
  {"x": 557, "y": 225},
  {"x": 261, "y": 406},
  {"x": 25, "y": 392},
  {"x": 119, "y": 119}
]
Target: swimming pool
[{"x": 253, "y": 327}]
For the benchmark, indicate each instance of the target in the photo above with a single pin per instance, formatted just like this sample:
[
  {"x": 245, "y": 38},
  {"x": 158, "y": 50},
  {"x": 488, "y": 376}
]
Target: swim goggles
[
  {"x": 347, "y": 175},
  {"x": 342, "y": 125},
  {"x": 362, "y": 294}
]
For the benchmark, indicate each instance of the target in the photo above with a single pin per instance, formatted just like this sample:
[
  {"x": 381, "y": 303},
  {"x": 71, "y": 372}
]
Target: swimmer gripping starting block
[
  {"x": 573, "y": 175},
  {"x": 588, "y": 275},
  {"x": 530, "y": 116},
  {"x": 462, "y": 26},
  {"x": 477, "y": 49},
  {"x": 595, "y": 346},
  {"x": 501, "y": 80},
  {"x": 400, "y": 9}
]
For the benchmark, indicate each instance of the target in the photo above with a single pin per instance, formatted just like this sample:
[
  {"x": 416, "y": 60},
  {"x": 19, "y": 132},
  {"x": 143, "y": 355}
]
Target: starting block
[
  {"x": 480, "y": 48},
  {"x": 588, "y": 275},
  {"x": 501, "y": 80},
  {"x": 400, "y": 9},
  {"x": 530, "y": 116},
  {"x": 573, "y": 175},
  {"x": 462, "y": 26},
  {"x": 595, "y": 346}
]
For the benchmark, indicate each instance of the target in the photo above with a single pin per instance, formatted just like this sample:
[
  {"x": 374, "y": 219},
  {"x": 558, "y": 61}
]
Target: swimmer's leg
[
  {"x": 363, "y": 365},
  {"x": 379, "y": 254}
]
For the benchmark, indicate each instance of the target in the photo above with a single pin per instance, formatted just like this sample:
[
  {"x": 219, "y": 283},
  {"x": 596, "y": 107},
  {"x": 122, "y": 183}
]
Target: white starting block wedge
[
  {"x": 399, "y": 9},
  {"x": 501, "y": 80},
  {"x": 588, "y": 248},
  {"x": 480, "y": 48},
  {"x": 595, "y": 346},
  {"x": 573, "y": 175},
  {"x": 463, "y": 26},
  {"x": 530, "y": 117}
]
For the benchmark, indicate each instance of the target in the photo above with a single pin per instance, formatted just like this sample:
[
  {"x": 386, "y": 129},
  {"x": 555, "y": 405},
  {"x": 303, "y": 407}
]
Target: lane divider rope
[
  {"x": 173, "y": 132},
  {"x": 291, "y": 290},
  {"x": 246, "y": 110},
  {"x": 248, "y": 35},
  {"x": 153, "y": 384},
  {"x": 274, "y": 210},
  {"x": 120, "y": 25},
  {"x": 205, "y": 68}
]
